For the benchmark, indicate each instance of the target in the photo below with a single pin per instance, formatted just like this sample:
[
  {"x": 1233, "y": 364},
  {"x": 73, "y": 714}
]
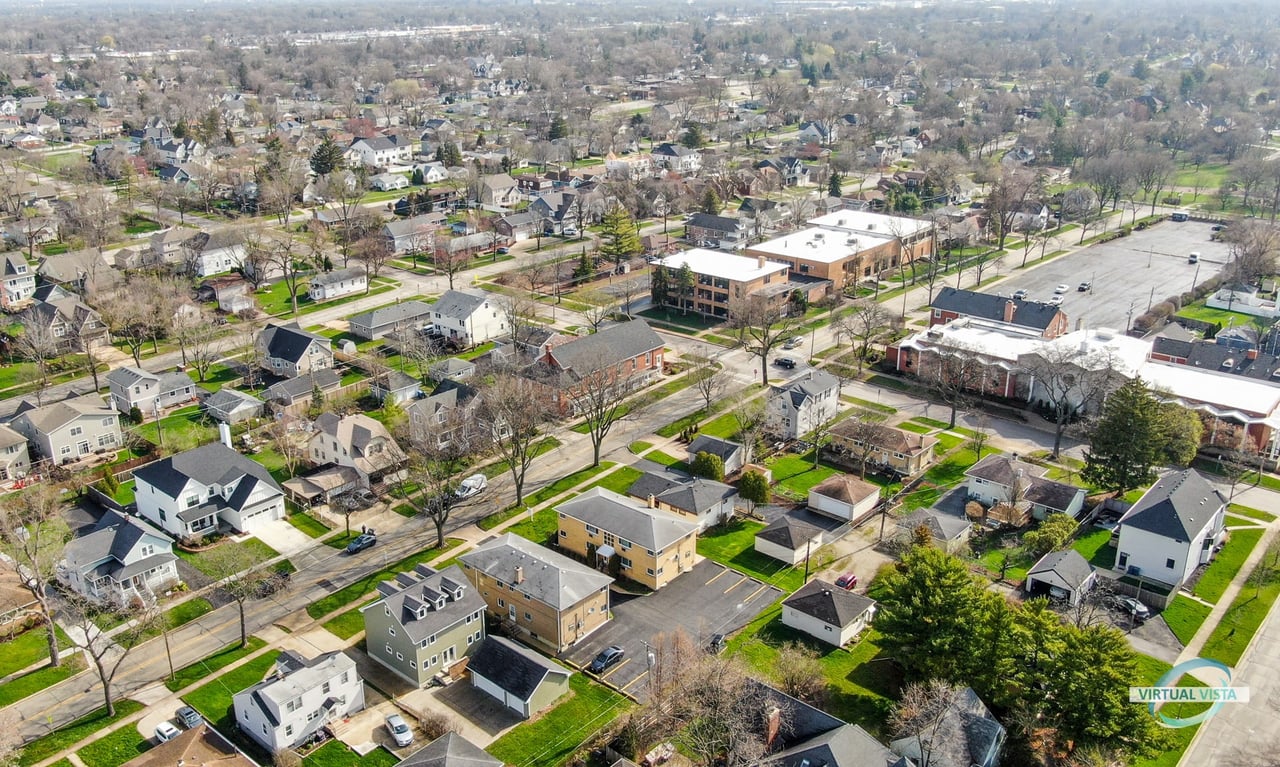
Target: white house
[
  {"x": 19, "y": 281},
  {"x": 132, "y": 387},
  {"x": 992, "y": 481},
  {"x": 15, "y": 459},
  {"x": 339, "y": 282},
  {"x": 846, "y": 498},
  {"x": 189, "y": 494},
  {"x": 827, "y": 612},
  {"x": 815, "y": 131},
  {"x": 677, "y": 158},
  {"x": 288, "y": 707},
  {"x": 290, "y": 352},
  {"x": 379, "y": 152},
  {"x": 469, "y": 317},
  {"x": 386, "y": 182},
  {"x": 789, "y": 539},
  {"x": 217, "y": 252},
  {"x": 1063, "y": 575},
  {"x": 1172, "y": 529},
  {"x": 122, "y": 557},
  {"x": 802, "y": 405}
]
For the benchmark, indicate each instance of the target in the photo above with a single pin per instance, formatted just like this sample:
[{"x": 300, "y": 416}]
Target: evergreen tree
[
  {"x": 1135, "y": 434},
  {"x": 834, "y": 184},
  {"x": 929, "y": 614},
  {"x": 693, "y": 137},
  {"x": 326, "y": 158},
  {"x": 686, "y": 280},
  {"x": 754, "y": 489},
  {"x": 707, "y": 465},
  {"x": 559, "y": 129},
  {"x": 621, "y": 240},
  {"x": 586, "y": 266},
  {"x": 711, "y": 203},
  {"x": 659, "y": 286},
  {"x": 449, "y": 155}
]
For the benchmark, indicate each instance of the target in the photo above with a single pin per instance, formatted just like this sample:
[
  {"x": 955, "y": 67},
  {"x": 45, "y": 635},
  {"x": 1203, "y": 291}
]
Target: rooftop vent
[{"x": 1229, "y": 362}]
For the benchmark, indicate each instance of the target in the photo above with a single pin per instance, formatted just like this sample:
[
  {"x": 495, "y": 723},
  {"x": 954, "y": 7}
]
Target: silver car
[{"x": 400, "y": 730}]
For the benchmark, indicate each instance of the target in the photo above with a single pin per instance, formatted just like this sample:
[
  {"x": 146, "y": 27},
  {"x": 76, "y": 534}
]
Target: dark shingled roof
[
  {"x": 613, "y": 344},
  {"x": 211, "y": 464},
  {"x": 289, "y": 342},
  {"x": 1178, "y": 506},
  {"x": 789, "y": 532},
  {"x": 517, "y": 670},
  {"x": 829, "y": 603},
  {"x": 715, "y": 446},
  {"x": 422, "y": 588},
  {"x": 450, "y": 750},
  {"x": 846, "y": 746},
  {"x": 692, "y": 494},
  {"x": 1064, "y": 569},
  {"x": 968, "y": 303}
]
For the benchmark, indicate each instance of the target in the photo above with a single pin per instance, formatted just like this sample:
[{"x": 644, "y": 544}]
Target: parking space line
[
  {"x": 736, "y": 585},
  {"x": 614, "y": 670},
  {"x": 628, "y": 685},
  {"x": 756, "y": 593},
  {"x": 723, "y": 570}
]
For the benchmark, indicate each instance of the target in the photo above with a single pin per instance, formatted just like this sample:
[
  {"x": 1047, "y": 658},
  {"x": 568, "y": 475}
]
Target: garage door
[{"x": 490, "y": 688}]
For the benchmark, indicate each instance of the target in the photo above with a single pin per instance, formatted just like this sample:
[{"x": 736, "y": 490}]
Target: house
[
  {"x": 379, "y": 151},
  {"x": 723, "y": 232},
  {"x": 69, "y": 430},
  {"x": 424, "y": 623},
  {"x": 1061, "y": 575},
  {"x": 653, "y": 547},
  {"x": 791, "y": 171},
  {"x": 629, "y": 353},
  {"x": 469, "y": 317},
  {"x": 416, "y": 234},
  {"x": 558, "y": 211},
  {"x": 542, "y": 595},
  {"x": 232, "y": 406},
  {"x": 827, "y": 612},
  {"x": 296, "y": 391},
  {"x": 632, "y": 167},
  {"x": 790, "y": 538},
  {"x": 704, "y": 501},
  {"x": 216, "y": 252},
  {"x": 720, "y": 279},
  {"x": 1000, "y": 479},
  {"x": 451, "y": 369},
  {"x": 72, "y": 323},
  {"x": 289, "y": 351},
  {"x": 190, "y": 494},
  {"x": 357, "y": 441},
  {"x": 406, "y": 315},
  {"x": 948, "y": 532},
  {"x": 903, "y": 452},
  {"x": 200, "y": 745},
  {"x": 120, "y": 559},
  {"x": 15, "y": 462},
  {"x": 1172, "y": 529},
  {"x": 518, "y": 226},
  {"x": 233, "y": 293},
  {"x": 167, "y": 245},
  {"x": 132, "y": 387},
  {"x": 733, "y": 454},
  {"x": 288, "y": 707},
  {"x": 19, "y": 282},
  {"x": 79, "y": 271},
  {"x": 339, "y": 282},
  {"x": 387, "y": 182},
  {"x": 396, "y": 386},
  {"x": 449, "y": 413},
  {"x": 499, "y": 190},
  {"x": 450, "y": 750},
  {"x": 517, "y": 677},
  {"x": 846, "y": 498},
  {"x": 803, "y": 404},
  {"x": 811, "y": 130},
  {"x": 950, "y": 304},
  {"x": 964, "y": 734},
  {"x": 677, "y": 158}
]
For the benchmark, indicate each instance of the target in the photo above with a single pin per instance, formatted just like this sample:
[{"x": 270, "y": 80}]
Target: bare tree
[
  {"x": 515, "y": 410},
  {"x": 33, "y": 535},
  {"x": 1069, "y": 382},
  {"x": 38, "y": 344},
  {"x": 449, "y": 262},
  {"x": 289, "y": 442},
  {"x": 752, "y": 419},
  {"x": 599, "y": 306},
  {"x": 82, "y": 615},
  {"x": 867, "y": 435},
  {"x": 629, "y": 290},
  {"x": 94, "y": 214},
  {"x": 234, "y": 568},
  {"x": 952, "y": 376},
  {"x": 432, "y": 467},
  {"x": 374, "y": 252},
  {"x": 520, "y": 313},
  {"x": 800, "y": 673},
  {"x": 709, "y": 377},
  {"x": 596, "y": 393},
  {"x": 762, "y": 325},
  {"x": 921, "y": 713},
  {"x": 863, "y": 323}
]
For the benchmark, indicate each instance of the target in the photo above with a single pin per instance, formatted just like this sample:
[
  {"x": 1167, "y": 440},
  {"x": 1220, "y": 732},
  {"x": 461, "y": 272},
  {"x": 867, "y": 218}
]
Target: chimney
[
  {"x": 224, "y": 432},
  {"x": 1251, "y": 354},
  {"x": 759, "y": 262},
  {"x": 653, "y": 501},
  {"x": 773, "y": 724},
  {"x": 519, "y": 574},
  {"x": 1009, "y": 308}
]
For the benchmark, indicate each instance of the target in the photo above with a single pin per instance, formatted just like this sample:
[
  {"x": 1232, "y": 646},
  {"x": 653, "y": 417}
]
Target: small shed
[
  {"x": 517, "y": 677},
  {"x": 846, "y": 498},
  {"x": 949, "y": 532},
  {"x": 732, "y": 453},
  {"x": 399, "y": 387},
  {"x": 788, "y": 539},
  {"x": 452, "y": 369},
  {"x": 1061, "y": 575},
  {"x": 232, "y": 406}
]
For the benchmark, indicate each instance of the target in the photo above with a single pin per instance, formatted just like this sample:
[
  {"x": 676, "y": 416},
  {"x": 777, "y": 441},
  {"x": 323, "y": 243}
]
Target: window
[
  {"x": 432, "y": 662},
  {"x": 193, "y": 500},
  {"x": 399, "y": 656},
  {"x": 413, "y": 664},
  {"x": 105, "y": 439},
  {"x": 1122, "y": 560},
  {"x": 431, "y": 639},
  {"x": 345, "y": 676},
  {"x": 626, "y": 563},
  {"x": 502, "y": 603},
  {"x": 564, "y": 533},
  {"x": 1168, "y": 563},
  {"x": 624, "y": 543},
  {"x": 288, "y": 730},
  {"x": 826, "y": 628},
  {"x": 65, "y": 450},
  {"x": 391, "y": 630},
  {"x": 591, "y": 530},
  {"x": 324, "y": 688},
  {"x": 937, "y": 313},
  {"x": 389, "y": 650},
  {"x": 293, "y": 705},
  {"x": 108, "y": 421},
  {"x": 649, "y": 570},
  {"x": 386, "y": 610}
]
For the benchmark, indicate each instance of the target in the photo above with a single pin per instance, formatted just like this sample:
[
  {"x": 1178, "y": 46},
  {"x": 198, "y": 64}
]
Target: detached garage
[
  {"x": 1061, "y": 575},
  {"x": 517, "y": 677},
  {"x": 846, "y": 498}
]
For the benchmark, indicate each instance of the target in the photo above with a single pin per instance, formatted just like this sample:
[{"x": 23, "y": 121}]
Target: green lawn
[
  {"x": 28, "y": 648},
  {"x": 33, "y": 682},
  {"x": 539, "y": 528},
  {"x": 915, "y": 428},
  {"x": 1150, "y": 670},
  {"x": 861, "y": 681},
  {"x": 639, "y": 447},
  {"x": 349, "y": 623},
  {"x": 182, "y": 614},
  {"x": 1246, "y": 613},
  {"x": 274, "y": 300},
  {"x": 867, "y": 404},
  {"x": 718, "y": 425},
  {"x": 183, "y": 429},
  {"x": 1198, "y": 311},
  {"x": 1218, "y": 575},
  {"x": 1020, "y": 561},
  {"x": 1209, "y": 177},
  {"x": 551, "y": 739},
  {"x": 1245, "y": 511},
  {"x": 189, "y": 675},
  {"x": 795, "y": 475},
  {"x": 336, "y": 754},
  {"x": 665, "y": 459},
  {"x": 261, "y": 551},
  {"x": 213, "y": 700},
  {"x": 114, "y": 749},
  {"x": 217, "y": 377},
  {"x": 734, "y": 545},
  {"x": 618, "y": 480},
  {"x": 1185, "y": 616},
  {"x": 562, "y": 485},
  {"x": 308, "y": 524},
  {"x": 947, "y": 442},
  {"x": 345, "y": 596},
  {"x": 1092, "y": 545},
  {"x": 724, "y": 427},
  {"x": 63, "y": 738}
]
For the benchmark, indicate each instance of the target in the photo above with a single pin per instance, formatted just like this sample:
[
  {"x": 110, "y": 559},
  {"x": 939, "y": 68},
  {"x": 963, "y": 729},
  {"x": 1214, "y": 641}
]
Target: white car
[
  {"x": 400, "y": 730},
  {"x": 1061, "y": 289},
  {"x": 165, "y": 731},
  {"x": 1056, "y": 299},
  {"x": 472, "y": 485}
]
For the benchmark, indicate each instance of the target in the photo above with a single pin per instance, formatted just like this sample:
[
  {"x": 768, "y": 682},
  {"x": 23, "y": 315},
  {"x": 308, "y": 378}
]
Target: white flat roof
[
  {"x": 1224, "y": 391},
  {"x": 866, "y": 222},
  {"x": 1126, "y": 353},
  {"x": 818, "y": 244},
  {"x": 727, "y": 266}
]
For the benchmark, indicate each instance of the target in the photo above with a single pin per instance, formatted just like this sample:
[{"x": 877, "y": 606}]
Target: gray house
[
  {"x": 732, "y": 453},
  {"x": 289, "y": 351},
  {"x": 232, "y": 406},
  {"x": 450, "y": 750},
  {"x": 68, "y": 430},
  {"x": 425, "y": 622},
  {"x": 964, "y": 734},
  {"x": 406, "y": 315},
  {"x": 705, "y": 501},
  {"x": 517, "y": 677},
  {"x": 802, "y": 405},
  {"x": 122, "y": 557},
  {"x": 132, "y": 387}
]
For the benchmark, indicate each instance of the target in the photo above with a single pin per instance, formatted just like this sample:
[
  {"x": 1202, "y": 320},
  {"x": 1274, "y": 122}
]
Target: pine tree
[
  {"x": 692, "y": 137},
  {"x": 559, "y": 129},
  {"x": 586, "y": 266},
  {"x": 1122, "y": 453},
  {"x": 659, "y": 286},
  {"x": 711, "y": 203},
  {"x": 620, "y": 238},
  {"x": 326, "y": 158},
  {"x": 834, "y": 184}
]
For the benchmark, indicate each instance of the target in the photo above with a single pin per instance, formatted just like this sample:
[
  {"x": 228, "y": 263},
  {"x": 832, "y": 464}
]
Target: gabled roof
[
  {"x": 1003, "y": 470},
  {"x": 290, "y": 342},
  {"x": 845, "y": 746},
  {"x": 652, "y": 529},
  {"x": 811, "y": 385},
  {"x": 212, "y": 464},
  {"x": 405, "y": 311},
  {"x": 294, "y": 388},
  {"x": 705, "y": 443},
  {"x": 829, "y": 603},
  {"x": 944, "y": 527},
  {"x": 128, "y": 376},
  {"x": 716, "y": 223},
  {"x": 1178, "y": 506},
  {"x": 201, "y": 745},
  {"x": 964, "y": 734},
  {"x": 112, "y": 538},
  {"x": 54, "y": 416},
  {"x": 968, "y": 303},
  {"x": 450, "y": 750},
  {"x": 548, "y": 577},
  {"x": 425, "y": 601},
  {"x": 300, "y": 676},
  {"x": 691, "y": 494},
  {"x": 366, "y": 440},
  {"x": 459, "y": 304},
  {"x": 887, "y": 437},
  {"x": 1064, "y": 569},
  {"x": 611, "y": 345},
  {"x": 338, "y": 275},
  {"x": 517, "y": 670},
  {"x": 227, "y": 400},
  {"x": 845, "y": 488}
]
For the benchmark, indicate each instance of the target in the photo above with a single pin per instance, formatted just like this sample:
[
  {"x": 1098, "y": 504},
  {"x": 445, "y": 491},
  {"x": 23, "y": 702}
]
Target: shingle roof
[
  {"x": 963, "y": 735},
  {"x": 549, "y": 577},
  {"x": 705, "y": 443},
  {"x": 944, "y": 527},
  {"x": 289, "y": 342},
  {"x": 338, "y": 275},
  {"x": 812, "y": 384},
  {"x": 450, "y": 750},
  {"x": 228, "y": 400},
  {"x": 623, "y": 341},
  {"x": 459, "y": 304},
  {"x": 422, "y": 589},
  {"x": 1178, "y": 506},
  {"x": 1030, "y": 314},
  {"x": 829, "y": 603},
  {"x": 112, "y": 537},
  {"x": 54, "y": 416},
  {"x": 388, "y": 315},
  {"x": 212, "y": 464},
  {"x": 889, "y": 438},
  {"x": 1064, "y": 569},
  {"x": 128, "y": 376},
  {"x": 716, "y": 223},
  {"x": 789, "y": 532},
  {"x": 843, "y": 487},
  {"x": 517, "y": 670},
  {"x": 652, "y": 529},
  {"x": 845, "y": 746},
  {"x": 295, "y": 388}
]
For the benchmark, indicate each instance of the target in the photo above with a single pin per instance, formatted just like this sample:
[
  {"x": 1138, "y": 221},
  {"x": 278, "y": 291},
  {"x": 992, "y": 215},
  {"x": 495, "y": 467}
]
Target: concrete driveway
[{"x": 709, "y": 599}]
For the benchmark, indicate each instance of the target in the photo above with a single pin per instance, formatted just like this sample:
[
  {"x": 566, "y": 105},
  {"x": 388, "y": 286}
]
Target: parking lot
[
  {"x": 1128, "y": 274},
  {"x": 709, "y": 599}
]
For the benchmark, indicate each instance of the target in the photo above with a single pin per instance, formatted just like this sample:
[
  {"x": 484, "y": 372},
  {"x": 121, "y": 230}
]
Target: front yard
[
  {"x": 1226, "y": 565},
  {"x": 261, "y": 553}
]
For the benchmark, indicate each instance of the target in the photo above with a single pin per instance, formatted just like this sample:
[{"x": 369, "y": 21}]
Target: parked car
[
  {"x": 503, "y": 251},
  {"x": 1194, "y": 258},
  {"x": 1131, "y": 606},
  {"x": 472, "y": 485},
  {"x": 1056, "y": 300},
  {"x": 1180, "y": 215},
  {"x": 793, "y": 343},
  {"x": 400, "y": 730},
  {"x": 188, "y": 717},
  {"x": 165, "y": 731},
  {"x": 716, "y": 645},
  {"x": 607, "y": 657},
  {"x": 366, "y": 497},
  {"x": 1020, "y": 294},
  {"x": 1063, "y": 288},
  {"x": 1085, "y": 286},
  {"x": 361, "y": 542},
  {"x": 848, "y": 581},
  {"x": 786, "y": 363}
]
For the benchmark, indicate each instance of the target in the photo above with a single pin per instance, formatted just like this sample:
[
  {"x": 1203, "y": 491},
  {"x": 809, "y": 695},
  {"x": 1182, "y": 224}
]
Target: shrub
[
  {"x": 1163, "y": 309},
  {"x": 135, "y": 414},
  {"x": 435, "y": 724}
]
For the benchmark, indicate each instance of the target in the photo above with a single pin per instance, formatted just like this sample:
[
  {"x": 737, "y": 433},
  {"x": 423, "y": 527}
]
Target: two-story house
[
  {"x": 700, "y": 500},
  {"x": 803, "y": 404},
  {"x": 469, "y": 317},
  {"x": 15, "y": 461},
  {"x": 885, "y": 448},
  {"x": 652, "y": 547},
  {"x": 19, "y": 282},
  {"x": 339, "y": 282},
  {"x": 1000, "y": 479},
  {"x": 72, "y": 323},
  {"x": 132, "y": 387},
  {"x": 414, "y": 234},
  {"x": 499, "y": 190},
  {"x": 1172, "y": 529},
  {"x": 379, "y": 152},
  {"x": 677, "y": 158},
  {"x": 216, "y": 252},
  {"x": 722, "y": 232},
  {"x": 168, "y": 246},
  {"x": 425, "y": 622},
  {"x": 190, "y": 493},
  {"x": 69, "y": 430},
  {"x": 628, "y": 355},
  {"x": 450, "y": 412},
  {"x": 289, "y": 351},
  {"x": 541, "y": 595},
  {"x": 357, "y": 441},
  {"x": 290, "y": 706},
  {"x": 122, "y": 557}
]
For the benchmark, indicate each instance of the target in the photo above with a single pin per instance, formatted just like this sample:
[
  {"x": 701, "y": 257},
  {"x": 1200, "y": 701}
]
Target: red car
[{"x": 848, "y": 581}]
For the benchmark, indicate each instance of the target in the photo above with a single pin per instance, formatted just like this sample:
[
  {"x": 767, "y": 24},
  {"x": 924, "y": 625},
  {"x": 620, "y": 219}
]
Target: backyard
[
  {"x": 733, "y": 544},
  {"x": 552, "y": 738}
]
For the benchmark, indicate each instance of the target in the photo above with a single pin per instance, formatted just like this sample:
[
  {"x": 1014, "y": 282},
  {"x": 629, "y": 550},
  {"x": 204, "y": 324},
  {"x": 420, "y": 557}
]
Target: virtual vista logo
[{"x": 1215, "y": 691}]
